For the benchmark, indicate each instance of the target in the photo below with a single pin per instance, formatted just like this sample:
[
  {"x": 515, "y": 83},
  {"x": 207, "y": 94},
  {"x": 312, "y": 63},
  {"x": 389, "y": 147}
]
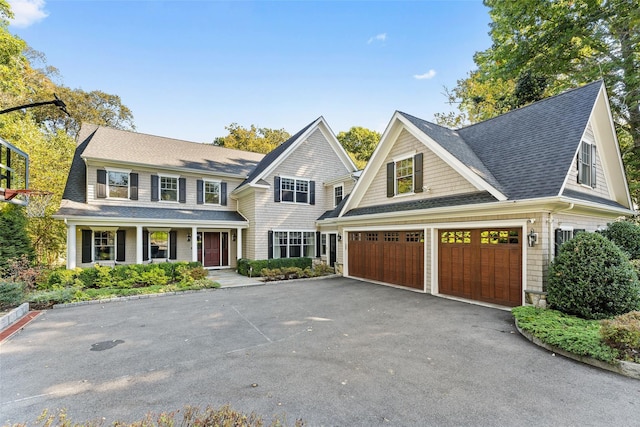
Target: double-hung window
[
  {"x": 169, "y": 188},
  {"x": 338, "y": 191},
  {"x": 587, "y": 164},
  {"x": 294, "y": 190},
  {"x": 104, "y": 245},
  {"x": 159, "y": 244},
  {"x": 118, "y": 184},
  {"x": 404, "y": 175},
  {"x": 212, "y": 192}
]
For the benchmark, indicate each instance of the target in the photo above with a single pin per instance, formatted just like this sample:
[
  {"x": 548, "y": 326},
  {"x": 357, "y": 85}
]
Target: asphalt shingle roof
[
  {"x": 436, "y": 202},
  {"x": 119, "y": 212},
  {"x": 132, "y": 147}
]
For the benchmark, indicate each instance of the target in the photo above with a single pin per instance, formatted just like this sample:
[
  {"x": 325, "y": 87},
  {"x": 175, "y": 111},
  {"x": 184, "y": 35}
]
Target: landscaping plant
[
  {"x": 626, "y": 235},
  {"x": 623, "y": 333},
  {"x": 592, "y": 278}
]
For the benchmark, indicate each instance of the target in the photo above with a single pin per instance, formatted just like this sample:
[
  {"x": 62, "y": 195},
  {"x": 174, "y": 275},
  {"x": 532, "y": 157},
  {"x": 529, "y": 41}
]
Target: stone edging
[
  {"x": 628, "y": 369},
  {"x": 13, "y": 316}
]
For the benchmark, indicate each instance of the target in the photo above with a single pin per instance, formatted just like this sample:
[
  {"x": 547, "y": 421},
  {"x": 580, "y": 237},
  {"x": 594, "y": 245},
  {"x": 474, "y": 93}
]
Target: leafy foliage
[
  {"x": 623, "y": 333},
  {"x": 569, "y": 333},
  {"x": 626, "y": 235},
  {"x": 254, "y": 139},
  {"x": 11, "y": 294},
  {"x": 249, "y": 267},
  {"x": 14, "y": 241},
  {"x": 592, "y": 278},
  {"x": 360, "y": 143}
]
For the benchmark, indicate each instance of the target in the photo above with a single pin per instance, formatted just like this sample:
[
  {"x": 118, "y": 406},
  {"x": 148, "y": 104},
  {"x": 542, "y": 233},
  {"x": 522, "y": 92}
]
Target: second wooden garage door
[
  {"x": 481, "y": 264},
  {"x": 394, "y": 257}
]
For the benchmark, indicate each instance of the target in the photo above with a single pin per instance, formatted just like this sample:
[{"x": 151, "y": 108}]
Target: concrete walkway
[{"x": 228, "y": 278}]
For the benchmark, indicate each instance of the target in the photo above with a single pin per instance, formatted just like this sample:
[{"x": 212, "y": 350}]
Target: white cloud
[
  {"x": 378, "y": 38},
  {"x": 27, "y": 12},
  {"x": 426, "y": 76}
]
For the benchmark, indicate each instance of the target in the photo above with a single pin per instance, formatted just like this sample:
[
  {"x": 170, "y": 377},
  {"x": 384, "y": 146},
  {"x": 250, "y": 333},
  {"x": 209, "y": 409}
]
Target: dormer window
[
  {"x": 587, "y": 164},
  {"x": 338, "y": 191},
  {"x": 116, "y": 184}
]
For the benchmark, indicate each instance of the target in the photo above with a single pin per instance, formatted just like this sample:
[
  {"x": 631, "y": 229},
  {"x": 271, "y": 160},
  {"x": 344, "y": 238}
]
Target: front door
[
  {"x": 333, "y": 250},
  {"x": 214, "y": 250}
]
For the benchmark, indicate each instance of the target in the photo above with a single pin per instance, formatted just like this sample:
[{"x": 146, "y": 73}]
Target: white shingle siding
[
  {"x": 602, "y": 189},
  {"x": 314, "y": 159},
  {"x": 438, "y": 177}
]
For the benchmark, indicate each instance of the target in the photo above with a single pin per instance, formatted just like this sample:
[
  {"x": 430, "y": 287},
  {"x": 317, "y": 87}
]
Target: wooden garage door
[
  {"x": 395, "y": 257},
  {"x": 481, "y": 264}
]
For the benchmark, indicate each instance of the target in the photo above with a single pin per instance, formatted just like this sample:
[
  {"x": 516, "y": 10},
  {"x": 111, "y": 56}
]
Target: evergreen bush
[
  {"x": 592, "y": 278},
  {"x": 623, "y": 333},
  {"x": 248, "y": 267},
  {"x": 13, "y": 235},
  {"x": 626, "y": 235},
  {"x": 11, "y": 294}
]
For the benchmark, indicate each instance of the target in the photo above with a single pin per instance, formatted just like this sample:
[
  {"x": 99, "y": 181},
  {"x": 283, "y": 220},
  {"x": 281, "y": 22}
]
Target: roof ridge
[{"x": 524, "y": 107}]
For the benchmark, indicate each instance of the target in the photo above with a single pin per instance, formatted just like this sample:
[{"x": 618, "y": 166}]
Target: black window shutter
[
  {"x": 182, "y": 190},
  {"x": 318, "y": 253},
  {"x": 417, "y": 173},
  {"x": 559, "y": 240},
  {"x": 173, "y": 245},
  {"x": 312, "y": 192},
  {"x": 133, "y": 186},
  {"x": 145, "y": 245},
  {"x": 276, "y": 189},
  {"x": 87, "y": 236},
  {"x": 200, "y": 191},
  {"x": 593, "y": 166},
  {"x": 101, "y": 184},
  {"x": 120, "y": 242},
  {"x": 391, "y": 188},
  {"x": 270, "y": 243},
  {"x": 154, "y": 188},
  {"x": 223, "y": 193}
]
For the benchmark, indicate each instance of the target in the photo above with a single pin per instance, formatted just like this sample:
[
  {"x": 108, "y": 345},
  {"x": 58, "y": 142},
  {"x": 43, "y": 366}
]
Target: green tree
[
  {"x": 14, "y": 241},
  {"x": 360, "y": 143},
  {"x": 254, "y": 139}
]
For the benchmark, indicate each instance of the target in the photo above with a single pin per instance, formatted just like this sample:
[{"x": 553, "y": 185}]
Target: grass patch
[{"x": 570, "y": 333}]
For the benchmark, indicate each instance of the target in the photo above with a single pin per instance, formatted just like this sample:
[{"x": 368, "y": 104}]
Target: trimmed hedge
[
  {"x": 592, "y": 278},
  {"x": 253, "y": 268}
]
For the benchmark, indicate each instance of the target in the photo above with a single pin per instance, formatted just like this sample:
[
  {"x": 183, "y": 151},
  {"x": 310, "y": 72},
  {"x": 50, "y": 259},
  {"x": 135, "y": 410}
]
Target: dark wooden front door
[
  {"x": 394, "y": 257},
  {"x": 215, "y": 247},
  {"x": 481, "y": 264},
  {"x": 333, "y": 249}
]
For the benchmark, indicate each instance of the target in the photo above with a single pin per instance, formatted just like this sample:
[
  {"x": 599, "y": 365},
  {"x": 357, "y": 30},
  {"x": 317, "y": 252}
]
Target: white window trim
[
  {"x": 302, "y": 245},
  {"x": 326, "y": 244},
  {"x": 116, "y": 170},
  {"x": 589, "y": 169},
  {"x": 204, "y": 193},
  {"x": 294, "y": 190},
  {"x": 161, "y": 230},
  {"x": 413, "y": 174},
  {"x": 93, "y": 243},
  {"x": 177, "y": 178},
  {"x": 341, "y": 185}
]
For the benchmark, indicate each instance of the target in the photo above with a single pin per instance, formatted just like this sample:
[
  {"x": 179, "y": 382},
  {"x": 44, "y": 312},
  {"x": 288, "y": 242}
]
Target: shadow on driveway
[{"x": 332, "y": 351}]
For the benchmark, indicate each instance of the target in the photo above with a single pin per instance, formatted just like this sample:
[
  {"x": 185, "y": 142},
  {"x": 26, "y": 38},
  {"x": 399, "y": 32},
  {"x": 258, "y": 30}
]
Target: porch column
[
  {"x": 194, "y": 243},
  {"x": 139, "y": 247},
  {"x": 238, "y": 243},
  {"x": 71, "y": 246}
]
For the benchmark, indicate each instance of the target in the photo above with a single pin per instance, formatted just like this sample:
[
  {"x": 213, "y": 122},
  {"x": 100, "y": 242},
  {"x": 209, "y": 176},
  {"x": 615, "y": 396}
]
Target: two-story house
[{"x": 136, "y": 198}]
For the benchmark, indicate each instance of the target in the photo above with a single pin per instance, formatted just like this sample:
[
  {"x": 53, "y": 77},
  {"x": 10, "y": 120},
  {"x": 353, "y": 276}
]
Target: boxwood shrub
[
  {"x": 248, "y": 267},
  {"x": 592, "y": 278},
  {"x": 626, "y": 235}
]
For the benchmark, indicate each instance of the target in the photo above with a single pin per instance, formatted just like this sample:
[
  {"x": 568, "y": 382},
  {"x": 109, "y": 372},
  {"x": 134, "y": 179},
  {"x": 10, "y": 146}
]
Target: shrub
[
  {"x": 21, "y": 269},
  {"x": 592, "y": 278},
  {"x": 626, "y": 235},
  {"x": 62, "y": 278},
  {"x": 248, "y": 267},
  {"x": 570, "y": 333},
  {"x": 323, "y": 269},
  {"x": 623, "y": 333},
  {"x": 11, "y": 294},
  {"x": 45, "y": 299},
  {"x": 271, "y": 274}
]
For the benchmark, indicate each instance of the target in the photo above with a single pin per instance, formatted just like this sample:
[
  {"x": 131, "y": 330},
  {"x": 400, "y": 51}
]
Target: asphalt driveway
[{"x": 333, "y": 352}]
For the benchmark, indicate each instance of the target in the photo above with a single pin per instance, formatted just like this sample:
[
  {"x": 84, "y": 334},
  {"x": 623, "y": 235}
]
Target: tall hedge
[
  {"x": 592, "y": 278},
  {"x": 626, "y": 235}
]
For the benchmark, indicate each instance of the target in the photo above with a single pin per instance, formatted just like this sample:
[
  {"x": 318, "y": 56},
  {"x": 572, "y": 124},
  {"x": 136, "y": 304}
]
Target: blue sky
[{"x": 187, "y": 69}]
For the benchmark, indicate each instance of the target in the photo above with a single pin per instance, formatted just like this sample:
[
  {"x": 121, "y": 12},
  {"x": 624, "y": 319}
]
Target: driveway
[{"x": 335, "y": 352}]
